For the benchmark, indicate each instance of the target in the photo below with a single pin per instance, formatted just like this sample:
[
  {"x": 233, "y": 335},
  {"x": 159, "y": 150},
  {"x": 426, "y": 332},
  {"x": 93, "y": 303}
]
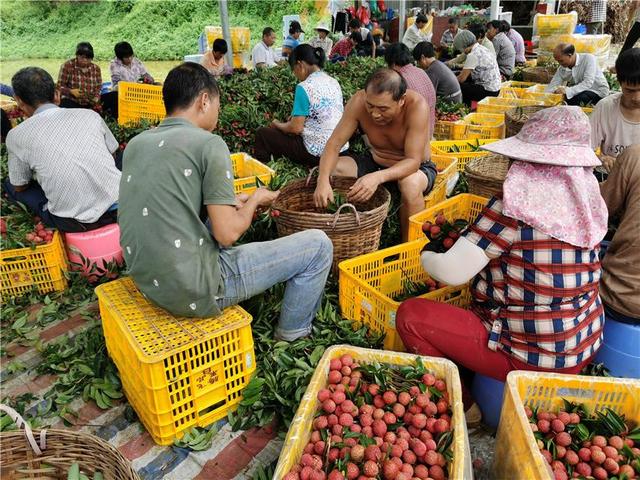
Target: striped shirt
[
  {"x": 69, "y": 151},
  {"x": 538, "y": 296}
]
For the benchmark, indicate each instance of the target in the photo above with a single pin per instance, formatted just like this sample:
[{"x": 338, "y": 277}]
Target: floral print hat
[{"x": 552, "y": 187}]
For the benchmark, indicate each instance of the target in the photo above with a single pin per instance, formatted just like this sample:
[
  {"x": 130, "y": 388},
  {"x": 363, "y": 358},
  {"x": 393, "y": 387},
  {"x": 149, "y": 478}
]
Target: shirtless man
[{"x": 396, "y": 123}]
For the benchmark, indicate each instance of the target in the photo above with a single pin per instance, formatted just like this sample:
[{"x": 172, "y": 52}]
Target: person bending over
[
  {"x": 395, "y": 121},
  {"x": 532, "y": 259},
  {"x": 442, "y": 78},
  {"x": 480, "y": 75},
  {"x": 177, "y": 176},
  {"x": 68, "y": 151},
  {"x": 317, "y": 109},
  {"x": 579, "y": 78}
]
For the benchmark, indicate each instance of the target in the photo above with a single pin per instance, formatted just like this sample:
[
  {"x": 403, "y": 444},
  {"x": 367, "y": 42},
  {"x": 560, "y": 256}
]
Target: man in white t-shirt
[
  {"x": 615, "y": 121},
  {"x": 263, "y": 55},
  {"x": 69, "y": 151}
]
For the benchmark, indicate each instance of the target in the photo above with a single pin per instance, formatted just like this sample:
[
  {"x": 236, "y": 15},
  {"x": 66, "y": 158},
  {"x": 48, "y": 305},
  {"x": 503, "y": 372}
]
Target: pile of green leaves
[{"x": 284, "y": 369}]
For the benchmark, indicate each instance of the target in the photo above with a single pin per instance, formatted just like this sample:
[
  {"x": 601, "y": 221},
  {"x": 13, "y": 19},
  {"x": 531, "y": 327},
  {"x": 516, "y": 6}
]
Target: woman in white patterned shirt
[{"x": 317, "y": 109}]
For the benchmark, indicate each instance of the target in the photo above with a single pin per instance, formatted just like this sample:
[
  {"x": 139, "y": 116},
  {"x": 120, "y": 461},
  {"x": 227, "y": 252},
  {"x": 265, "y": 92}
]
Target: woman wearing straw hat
[
  {"x": 532, "y": 256},
  {"x": 322, "y": 40}
]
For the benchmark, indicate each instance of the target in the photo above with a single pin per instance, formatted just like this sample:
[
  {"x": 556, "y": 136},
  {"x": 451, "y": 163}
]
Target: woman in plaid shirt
[
  {"x": 533, "y": 258},
  {"x": 80, "y": 80}
]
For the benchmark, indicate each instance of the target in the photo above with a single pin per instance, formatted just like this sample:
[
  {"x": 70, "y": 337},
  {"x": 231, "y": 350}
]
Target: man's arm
[
  {"x": 19, "y": 171},
  {"x": 229, "y": 222},
  {"x": 589, "y": 76},
  {"x": 556, "y": 81}
]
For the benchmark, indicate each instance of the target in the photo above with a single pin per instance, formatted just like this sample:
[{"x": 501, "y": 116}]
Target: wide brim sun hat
[
  {"x": 553, "y": 136},
  {"x": 323, "y": 27}
]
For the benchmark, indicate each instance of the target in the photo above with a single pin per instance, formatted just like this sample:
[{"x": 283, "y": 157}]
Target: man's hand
[
  {"x": 323, "y": 194},
  {"x": 75, "y": 92},
  {"x": 265, "y": 197},
  {"x": 607, "y": 162},
  {"x": 364, "y": 188},
  {"x": 561, "y": 90}
]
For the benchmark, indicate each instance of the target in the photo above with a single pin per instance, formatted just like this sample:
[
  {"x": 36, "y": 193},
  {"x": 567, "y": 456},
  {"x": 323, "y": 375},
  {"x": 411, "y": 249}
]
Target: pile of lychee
[{"x": 363, "y": 431}]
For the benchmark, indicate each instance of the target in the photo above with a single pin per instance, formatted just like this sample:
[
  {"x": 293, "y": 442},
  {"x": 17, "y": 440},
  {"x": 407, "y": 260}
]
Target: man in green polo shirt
[{"x": 177, "y": 176}]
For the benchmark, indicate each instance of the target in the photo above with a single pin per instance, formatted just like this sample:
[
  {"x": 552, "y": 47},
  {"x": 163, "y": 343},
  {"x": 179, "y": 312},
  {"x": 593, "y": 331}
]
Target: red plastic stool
[{"x": 98, "y": 247}]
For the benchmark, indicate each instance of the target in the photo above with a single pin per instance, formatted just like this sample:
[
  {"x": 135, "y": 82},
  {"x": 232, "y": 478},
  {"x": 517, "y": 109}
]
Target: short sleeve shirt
[
  {"x": 609, "y": 129},
  {"x": 319, "y": 99},
  {"x": 263, "y": 54},
  {"x": 69, "y": 150},
  {"x": 484, "y": 68},
  {"x": 170, "y": 174}
]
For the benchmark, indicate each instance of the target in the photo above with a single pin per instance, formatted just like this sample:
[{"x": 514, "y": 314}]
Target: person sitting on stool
[
  {"x": 579, "y": 78},
  {"x": 80, "y": 80}
]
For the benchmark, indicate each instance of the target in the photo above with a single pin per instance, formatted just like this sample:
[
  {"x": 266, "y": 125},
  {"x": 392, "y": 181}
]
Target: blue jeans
[{"x": 303, "y": 260}]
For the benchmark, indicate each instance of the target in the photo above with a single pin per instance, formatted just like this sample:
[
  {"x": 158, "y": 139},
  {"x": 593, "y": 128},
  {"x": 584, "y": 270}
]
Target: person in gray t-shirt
[{"x": 443, "y": 79}]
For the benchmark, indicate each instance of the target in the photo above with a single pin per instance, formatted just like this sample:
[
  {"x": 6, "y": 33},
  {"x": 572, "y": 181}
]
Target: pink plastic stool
[{"x": 98, "y": 246}]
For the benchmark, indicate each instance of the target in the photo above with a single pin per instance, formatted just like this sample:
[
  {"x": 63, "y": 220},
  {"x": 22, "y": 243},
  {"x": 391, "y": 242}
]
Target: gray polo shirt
[
  {"x": 170, "y": 173},
  {"x": 505, "y": 53},
  {"x": 444, "y": 81}
]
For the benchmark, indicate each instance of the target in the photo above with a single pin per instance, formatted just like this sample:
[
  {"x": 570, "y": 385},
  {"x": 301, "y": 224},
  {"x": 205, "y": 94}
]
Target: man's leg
[
  {"x": 584, "y": 99},
  {"x": 271, "y": 141},
  {"x": 412, "y": 190},
  {"x": 303, "y": 260}
]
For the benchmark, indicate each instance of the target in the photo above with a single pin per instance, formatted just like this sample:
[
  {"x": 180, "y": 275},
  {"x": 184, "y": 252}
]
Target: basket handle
[
  {"x": 28, "y": 433},
  {"x": 337, "y": 214},
  {"x": 311, "y": 172}
]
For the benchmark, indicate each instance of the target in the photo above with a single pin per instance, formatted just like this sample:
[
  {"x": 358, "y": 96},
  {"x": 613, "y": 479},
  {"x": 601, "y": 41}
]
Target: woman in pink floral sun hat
[{"x": 532, "y": 256}]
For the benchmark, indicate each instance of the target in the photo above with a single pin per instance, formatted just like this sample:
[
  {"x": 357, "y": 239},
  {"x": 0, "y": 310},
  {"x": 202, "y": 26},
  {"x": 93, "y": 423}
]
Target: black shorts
[{"x": 366, "y": 164}]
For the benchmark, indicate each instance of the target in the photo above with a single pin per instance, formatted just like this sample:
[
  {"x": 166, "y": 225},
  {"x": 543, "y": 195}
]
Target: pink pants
[{"x": 441, "y": 330}]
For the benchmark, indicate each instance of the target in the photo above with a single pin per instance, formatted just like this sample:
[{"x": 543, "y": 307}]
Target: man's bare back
[{"x": 387, "y": 141}]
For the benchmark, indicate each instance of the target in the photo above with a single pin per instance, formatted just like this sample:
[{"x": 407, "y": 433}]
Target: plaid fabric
[
  {"x": 88, "y": 80},
  {"x": 342, "y": 48},
  {"x": 538, "y": 296},
  {"x": 418, "y": 80},
  {"x": 598, "y": 11}
]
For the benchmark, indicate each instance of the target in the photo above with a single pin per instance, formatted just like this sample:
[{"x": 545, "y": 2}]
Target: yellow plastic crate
[
  {"x": 245, "y": 171},
  {"x": 300, "y": 430},
  {"x": 176, "y": 372},
  {"x": 516, "y": 84},
  {"x": 483, "y": 126},
  {"x": 447, "y": 168},
  {"x": 545, "y": 25},
  {"x": 460, "y": 149},
  {"x": 369, "y": 282},
  {"x": 517, "y": 454},
  {"x": 448, "y": 130},
  {"x": 466, "y": 206},
  {"x": 501, "y": 104},
  {"x": 139, "y": 101},
  {"x": 533, "y": 93},
  {"x": 240, "y": 37},
  {"x": 25, "y": 269}
]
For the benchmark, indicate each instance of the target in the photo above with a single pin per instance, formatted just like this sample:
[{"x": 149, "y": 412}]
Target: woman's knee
[{"x": 410, "y": 313}]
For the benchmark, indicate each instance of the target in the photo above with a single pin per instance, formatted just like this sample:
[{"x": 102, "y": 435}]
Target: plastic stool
[
  {"x": 620, "y": 351},
  {"x": 98, "y": 246},
  {"x": 488, "y": 392}
]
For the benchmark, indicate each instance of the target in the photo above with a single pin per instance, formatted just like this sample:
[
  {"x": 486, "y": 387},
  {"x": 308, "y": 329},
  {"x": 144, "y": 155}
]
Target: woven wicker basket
[
  {"x": 49, "y": 454},
  {"x": 516, "y": 117},
  {"x": 353, "y": 229},
  {"x": 486, "y": 175},
  {"x": 538, "y": 74}
]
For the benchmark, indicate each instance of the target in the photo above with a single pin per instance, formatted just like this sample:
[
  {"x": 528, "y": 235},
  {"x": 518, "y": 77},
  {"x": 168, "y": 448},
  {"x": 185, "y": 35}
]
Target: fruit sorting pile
[
  {"x": 577, "y": 444},
  {"x": 21, "y": 234},
  {"x": 450, "y": 112},
  {"x": 376, "y": 421}
]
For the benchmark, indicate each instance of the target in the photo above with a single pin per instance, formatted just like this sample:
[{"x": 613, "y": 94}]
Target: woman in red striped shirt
[{"x": 532, "y": 256}]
